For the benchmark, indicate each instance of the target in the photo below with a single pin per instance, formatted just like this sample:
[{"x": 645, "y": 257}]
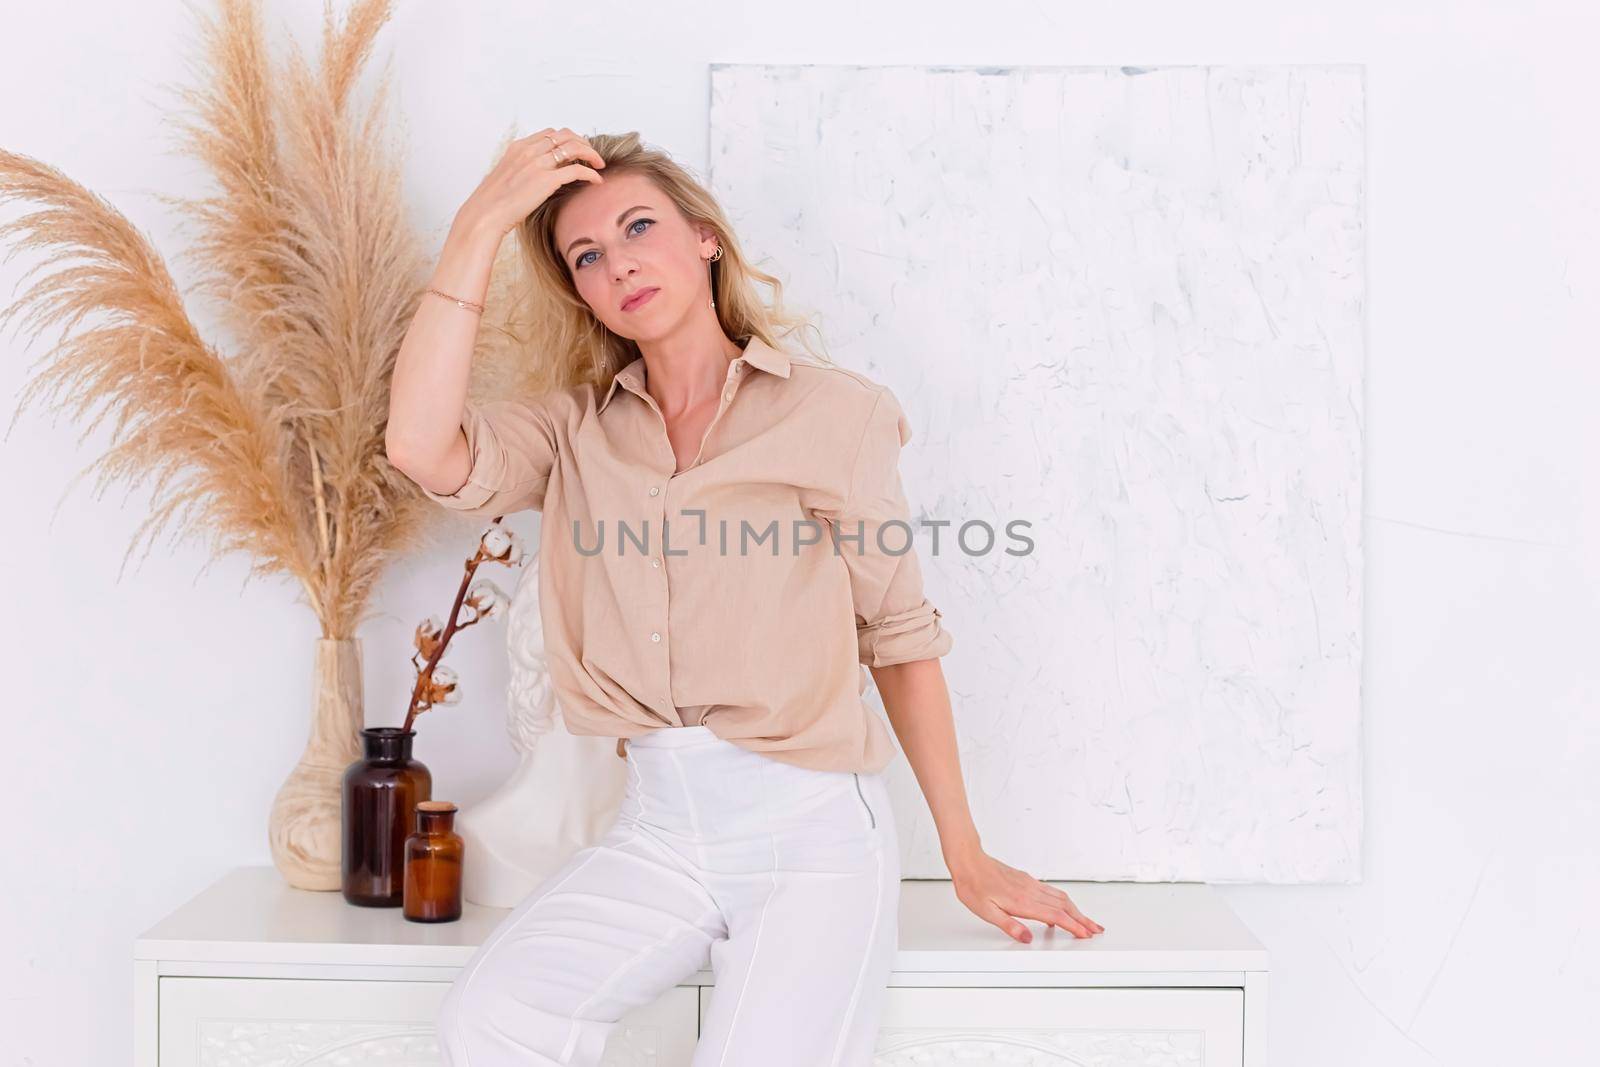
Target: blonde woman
[{"x": 725, "y": 552}]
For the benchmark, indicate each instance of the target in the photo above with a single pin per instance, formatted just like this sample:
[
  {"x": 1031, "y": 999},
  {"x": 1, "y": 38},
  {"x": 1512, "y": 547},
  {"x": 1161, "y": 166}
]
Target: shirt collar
[{"x": 757, "y": 353}]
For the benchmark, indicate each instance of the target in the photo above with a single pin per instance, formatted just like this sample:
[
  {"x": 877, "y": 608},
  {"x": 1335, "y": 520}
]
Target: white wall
[{"x": 152, "y": 719}]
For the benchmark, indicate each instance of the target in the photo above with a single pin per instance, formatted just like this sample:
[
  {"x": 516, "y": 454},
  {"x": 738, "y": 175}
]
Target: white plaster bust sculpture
[{"x": 566, "y": 789}]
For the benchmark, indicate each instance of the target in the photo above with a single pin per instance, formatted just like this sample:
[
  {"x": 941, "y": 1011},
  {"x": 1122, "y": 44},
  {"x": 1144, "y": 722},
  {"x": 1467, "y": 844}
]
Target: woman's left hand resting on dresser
[{"x": 918, "y": 704}]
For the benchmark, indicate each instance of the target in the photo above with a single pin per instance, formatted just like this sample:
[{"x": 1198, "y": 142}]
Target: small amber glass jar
[{"x": 433, "y": 865}]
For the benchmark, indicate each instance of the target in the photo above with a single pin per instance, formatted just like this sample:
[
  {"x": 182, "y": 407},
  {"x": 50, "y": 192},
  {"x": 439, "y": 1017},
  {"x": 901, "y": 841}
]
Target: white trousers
[{"x": 785, "y": 879}]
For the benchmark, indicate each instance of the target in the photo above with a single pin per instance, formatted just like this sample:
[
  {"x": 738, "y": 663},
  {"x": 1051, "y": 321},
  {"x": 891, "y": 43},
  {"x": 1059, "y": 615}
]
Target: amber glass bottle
[
  {"x": 433, "y": 865},
  {"x": 381, "y": 792}
]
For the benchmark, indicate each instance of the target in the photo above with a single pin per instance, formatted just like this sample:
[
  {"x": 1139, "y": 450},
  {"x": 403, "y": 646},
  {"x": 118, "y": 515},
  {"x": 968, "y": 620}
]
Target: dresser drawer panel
[
  {"x": 1031, "y": 1026},
  {"x": 1063, "y": 1027},
  {"x": 243, "y": 1022}
]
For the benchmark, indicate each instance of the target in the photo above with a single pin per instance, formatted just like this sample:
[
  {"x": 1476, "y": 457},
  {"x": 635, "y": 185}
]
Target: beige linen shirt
[{"x": 748, "y": 592}]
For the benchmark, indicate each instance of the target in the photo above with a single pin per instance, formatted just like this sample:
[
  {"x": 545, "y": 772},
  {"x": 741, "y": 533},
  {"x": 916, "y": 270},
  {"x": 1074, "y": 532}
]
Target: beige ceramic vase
[{"x": 304, "y": 827}]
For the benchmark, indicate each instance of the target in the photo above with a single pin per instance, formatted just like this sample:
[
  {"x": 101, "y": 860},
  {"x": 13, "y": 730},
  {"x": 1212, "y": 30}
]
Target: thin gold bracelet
[{"x": 469, "y": 305}]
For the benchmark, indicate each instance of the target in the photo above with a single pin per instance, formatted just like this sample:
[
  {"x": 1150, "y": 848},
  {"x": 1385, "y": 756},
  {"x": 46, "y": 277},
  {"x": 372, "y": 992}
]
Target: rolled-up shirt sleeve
[
  {"x": 895, "y": 622},
  {"x": 513, "y": 448}
]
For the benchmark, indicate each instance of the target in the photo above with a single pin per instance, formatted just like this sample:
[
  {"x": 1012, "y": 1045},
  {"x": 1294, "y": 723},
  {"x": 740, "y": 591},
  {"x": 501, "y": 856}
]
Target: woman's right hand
[{"x": 526, "y": 176}]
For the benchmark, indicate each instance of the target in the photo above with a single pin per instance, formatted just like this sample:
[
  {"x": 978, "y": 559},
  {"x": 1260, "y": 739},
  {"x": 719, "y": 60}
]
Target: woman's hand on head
[
  {"x": 525, "y": 177},
  {"x": 1002, "y": 895}
]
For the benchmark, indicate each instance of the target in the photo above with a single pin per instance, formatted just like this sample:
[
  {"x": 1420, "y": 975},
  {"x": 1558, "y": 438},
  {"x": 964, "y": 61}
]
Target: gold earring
[
  {"x": 712, "y": 278},
  {"x": 605, "y": 347}
]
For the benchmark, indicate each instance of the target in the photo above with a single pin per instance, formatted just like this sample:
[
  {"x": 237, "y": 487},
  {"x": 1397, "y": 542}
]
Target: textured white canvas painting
[{"x": 1124, "y": 305}]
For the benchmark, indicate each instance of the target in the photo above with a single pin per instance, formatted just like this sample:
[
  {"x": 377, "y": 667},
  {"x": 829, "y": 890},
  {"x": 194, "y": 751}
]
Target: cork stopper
[{"x": 436, "y": 805}]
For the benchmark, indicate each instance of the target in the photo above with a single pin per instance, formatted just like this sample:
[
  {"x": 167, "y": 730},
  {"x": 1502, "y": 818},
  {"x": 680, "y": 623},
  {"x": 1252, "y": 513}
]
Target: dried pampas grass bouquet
[{"x": 272, "y": 443}]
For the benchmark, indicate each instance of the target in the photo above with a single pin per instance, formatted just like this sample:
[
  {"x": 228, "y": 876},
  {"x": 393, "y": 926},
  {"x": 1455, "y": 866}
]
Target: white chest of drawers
[{"x": 252, "y": 972}]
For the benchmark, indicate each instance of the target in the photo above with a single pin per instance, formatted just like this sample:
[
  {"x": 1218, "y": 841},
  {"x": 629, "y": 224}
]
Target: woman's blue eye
[{"x": 583, "y": 259}]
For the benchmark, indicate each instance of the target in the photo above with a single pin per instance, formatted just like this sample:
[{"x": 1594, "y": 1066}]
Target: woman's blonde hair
[{"x": 568, "y": 345}]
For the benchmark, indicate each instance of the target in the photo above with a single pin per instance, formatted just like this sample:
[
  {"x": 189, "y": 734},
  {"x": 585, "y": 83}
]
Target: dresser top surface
[{"x": 251, "y": 915}]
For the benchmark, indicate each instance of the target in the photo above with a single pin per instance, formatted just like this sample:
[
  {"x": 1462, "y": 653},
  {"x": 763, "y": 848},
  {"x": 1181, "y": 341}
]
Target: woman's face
[{"x": 622, "y": 237}]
